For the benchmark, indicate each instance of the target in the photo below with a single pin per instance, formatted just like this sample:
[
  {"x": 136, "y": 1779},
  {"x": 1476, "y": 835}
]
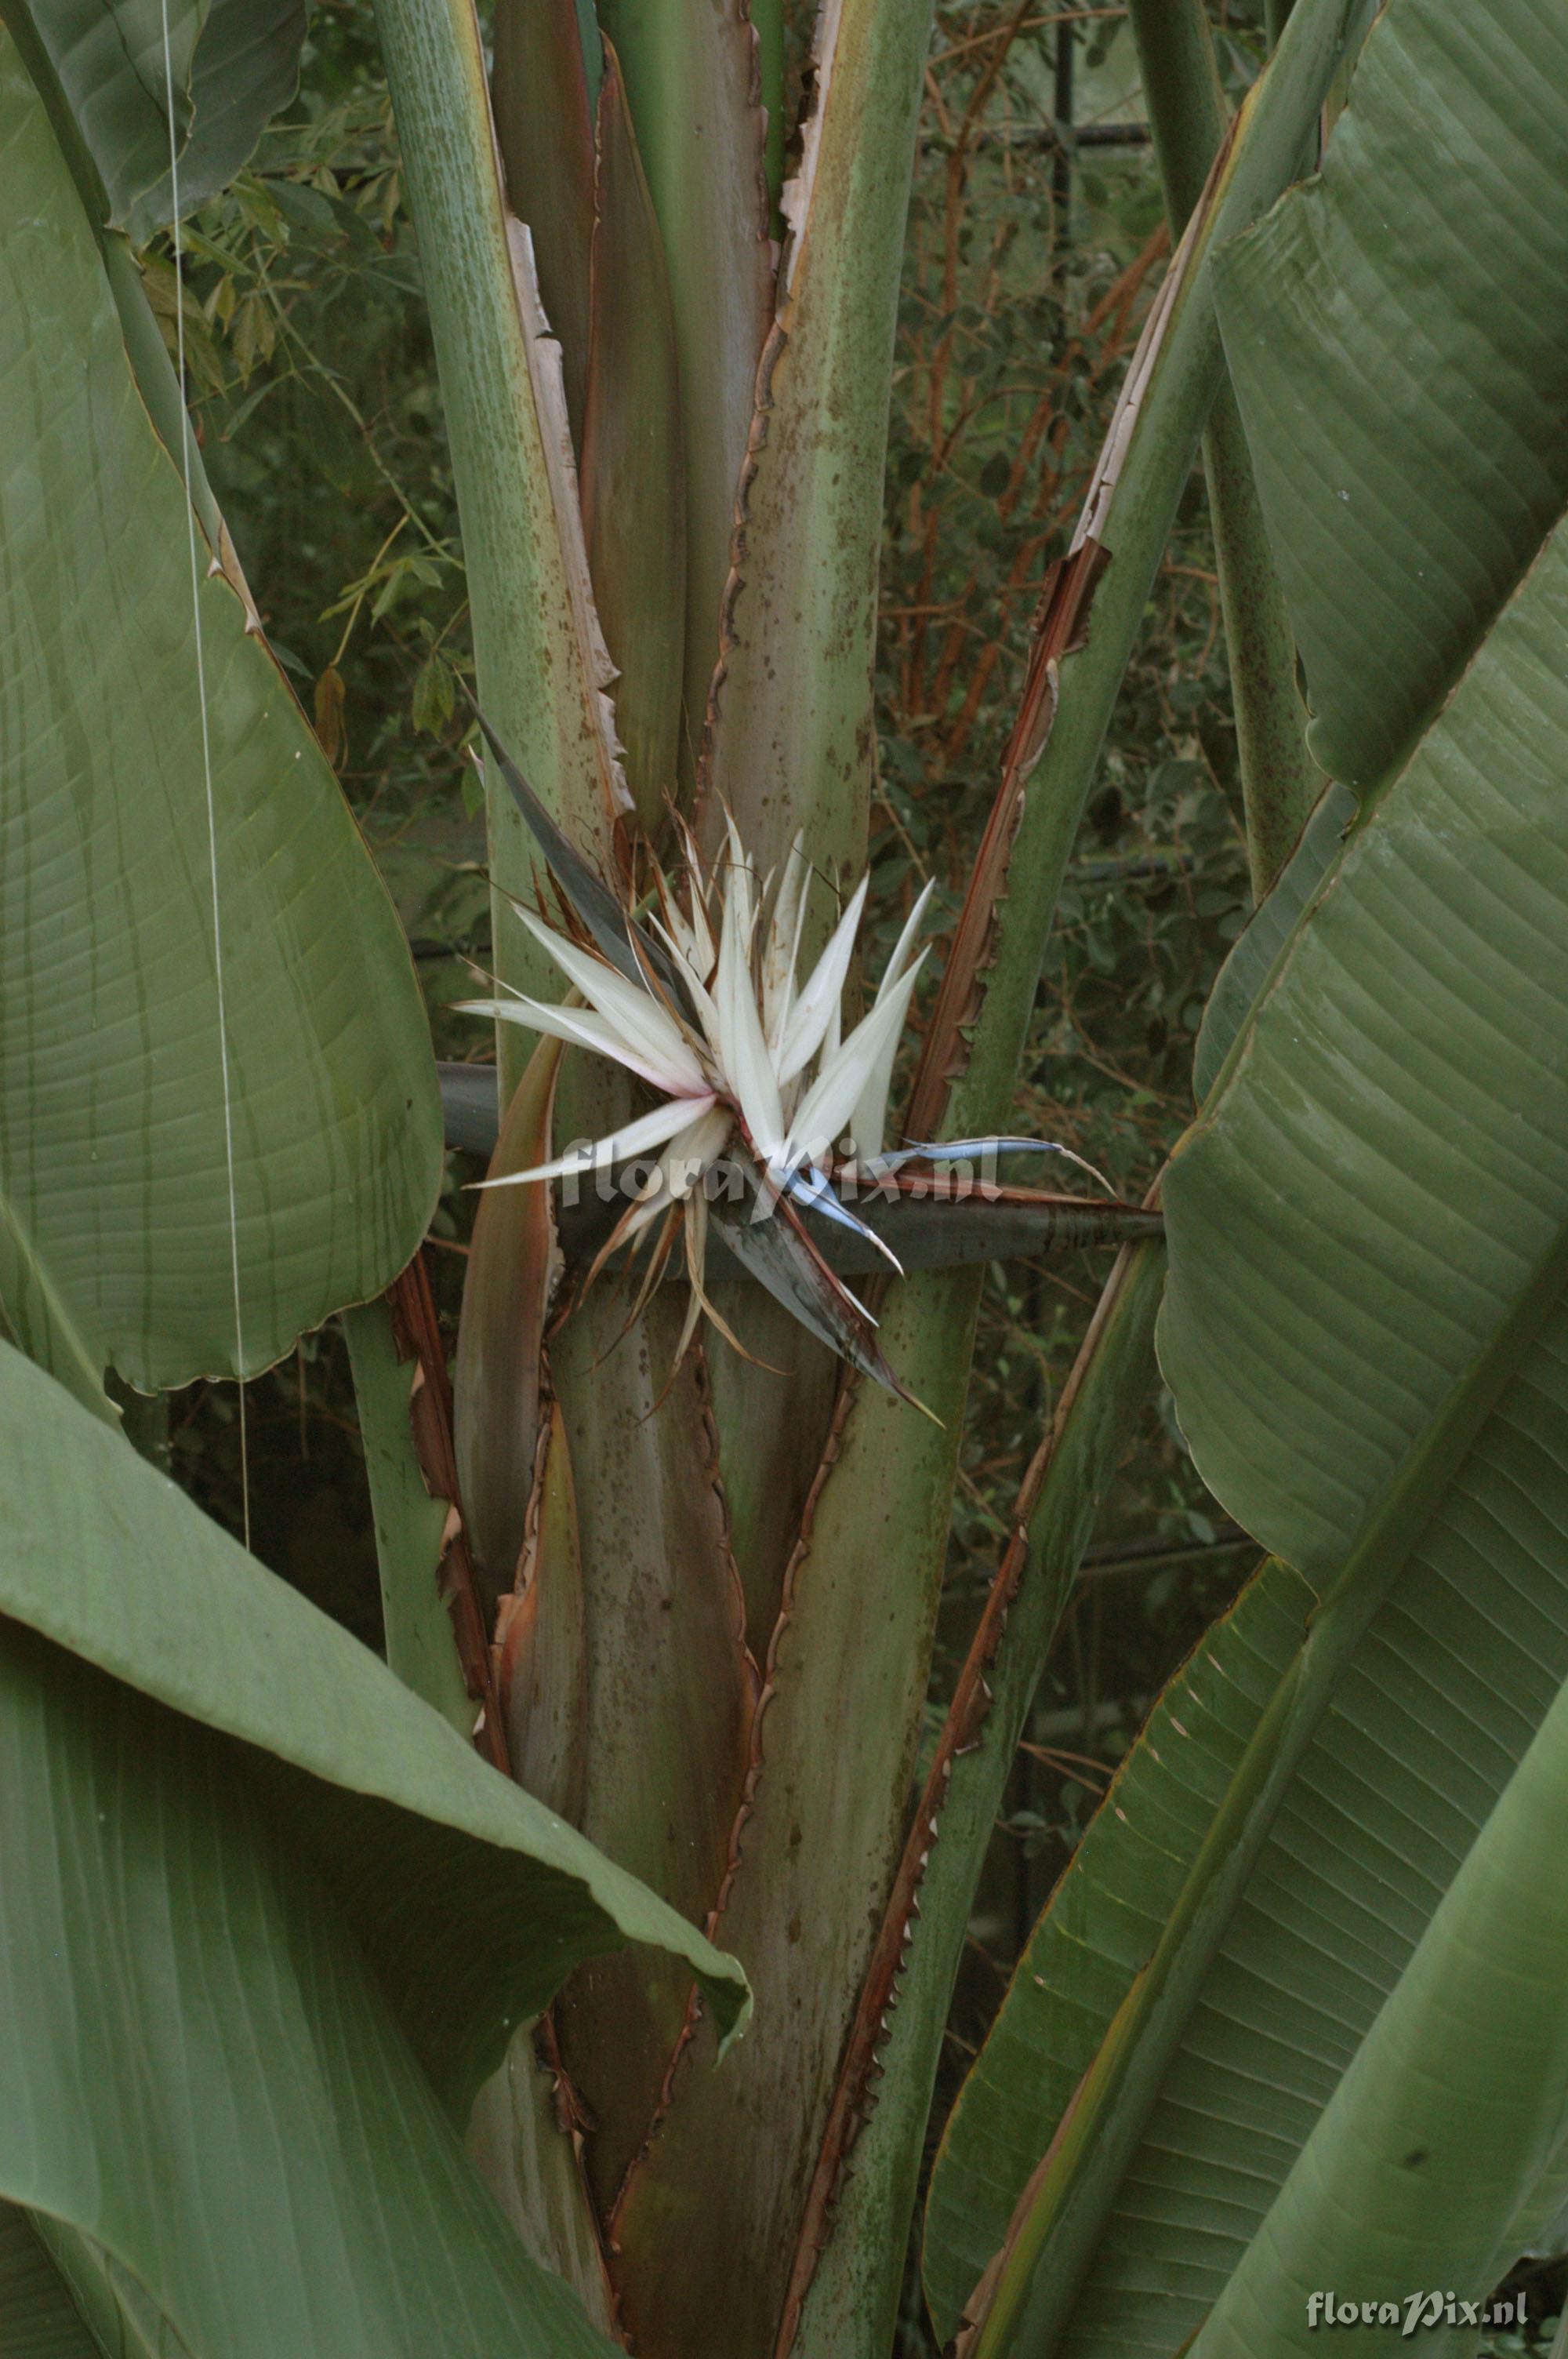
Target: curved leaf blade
[
  {"x": 1397, "y": 1080},
  {"x": 232, "y": 64},
  {"x": 261, "y": 2156},
  {"x": 113, "y": 1134},
  {"x": 1452, "y": 2111},
  {"x": 1247, "y": 969},
  {"x": 1408, "y": 476},
  {"x": 39, "y": 2319},
  {"x": 436, "y": 1861}
]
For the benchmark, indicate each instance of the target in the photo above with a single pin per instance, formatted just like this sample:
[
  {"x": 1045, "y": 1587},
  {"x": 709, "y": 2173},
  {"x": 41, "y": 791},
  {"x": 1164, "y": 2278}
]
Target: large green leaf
[
  {"x": 1381, "y": 1193},
  {"x": 1186, "y": 107},
  {"x": 1451, "y": 2113},
  {"x": 1101, "y": 1926},
  {"x": 1246, "y": 970},
  {"x": 115, "y": 1237},
  {"x": 470, "y": 1898},
  {"x": 231, "y": 64},
  {"x": 38, "y": 2319},
  {"x": 248, "y": 1885},
  {"x": 199, "y": 2075},
  {"x": 1398, "y": 352},
  {"x": 1364, "y": 1332}
]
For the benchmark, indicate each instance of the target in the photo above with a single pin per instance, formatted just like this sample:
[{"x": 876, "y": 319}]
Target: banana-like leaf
[
  {"x": 39, "y": 2319},
  {"x": 231, "y": 64},
  {"x": 1246, "y": 971},
  {"x": 199, "y": 2075},
  {"x": 691, "y": 81},
  {"x": 117, "y": 1116},
  {"x": 1406, "y": 470},
  {"x": 791, "y": 738},
  {"x": 1452, "y": 2109},
  {"x": 1379, "y": 1192},
  {"x": 1100, "y": 1927},
  {"x": 437, "y": 1860},
  {"x": 1280, "y": 783}
]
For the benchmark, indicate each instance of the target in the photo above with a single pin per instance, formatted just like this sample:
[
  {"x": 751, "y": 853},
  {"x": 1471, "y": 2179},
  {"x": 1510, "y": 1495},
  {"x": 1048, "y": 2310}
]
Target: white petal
[
  {"x": 696, "y": 973},
  {"x": 904, "y": 949},
  {"x": 645, "y": 1030},
  {"x": 585, "y": 1029},
  {"x": 702, "y": 930},
  {"x": 868, "y": 1123},
  {"x": 818, "y": 1000},
  {"x": 829, "y": 1104},
  {"x": 742, "y": 1051},
  {"x": 782, "y": 948},
  {"x": 740, "y": 884},
  {"x": 680, "y": 1168},
  {"x": 650, "y": 1130}
]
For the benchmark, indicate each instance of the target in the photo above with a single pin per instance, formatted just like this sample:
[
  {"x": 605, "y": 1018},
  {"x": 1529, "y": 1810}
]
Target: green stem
[
  {"x": 1280, "y": 782},
  {"x": 524, "y": 593},
  {"x": 409, "y": 1523}
]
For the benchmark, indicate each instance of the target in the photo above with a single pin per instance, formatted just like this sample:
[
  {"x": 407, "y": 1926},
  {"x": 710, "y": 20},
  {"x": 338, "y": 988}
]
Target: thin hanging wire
[{"x": 185, "y": 471}]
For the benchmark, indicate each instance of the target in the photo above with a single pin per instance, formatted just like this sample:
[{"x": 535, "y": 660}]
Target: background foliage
[{"x": 1029, "y": 265}]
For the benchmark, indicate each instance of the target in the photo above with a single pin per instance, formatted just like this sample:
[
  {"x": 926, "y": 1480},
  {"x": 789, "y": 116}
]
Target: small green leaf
[{"x": 435, "y": 697}]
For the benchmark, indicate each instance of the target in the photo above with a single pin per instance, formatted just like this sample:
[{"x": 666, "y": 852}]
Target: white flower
[
  {"x": 703, "y": 1003},
  {"x": 737, "y": 1045}
]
